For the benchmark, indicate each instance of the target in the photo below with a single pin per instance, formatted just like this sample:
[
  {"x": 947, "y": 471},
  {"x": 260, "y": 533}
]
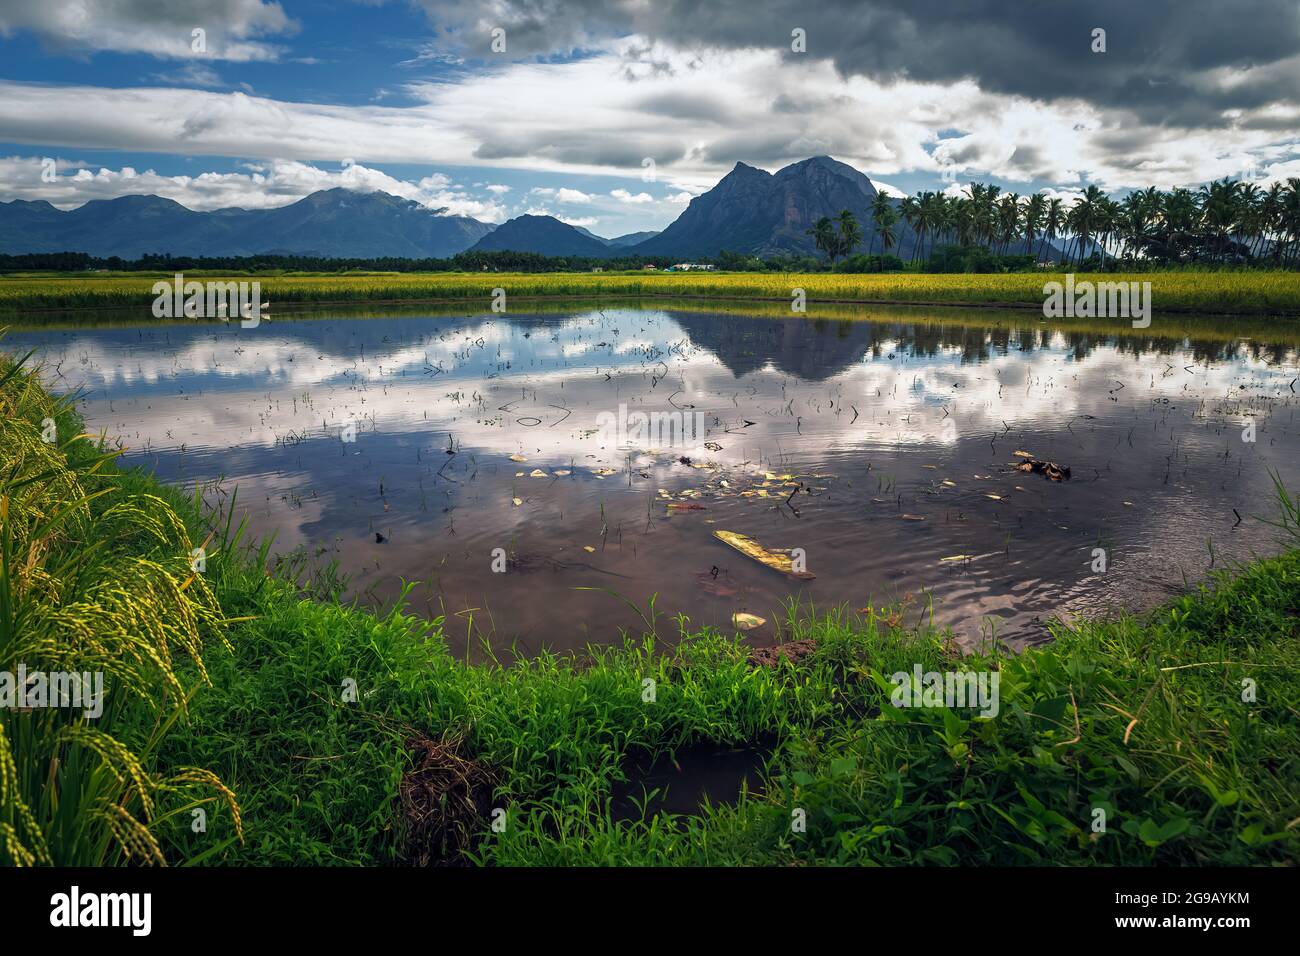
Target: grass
[
  {"x": 1143, "y": 718},
  {"x": 1215, "y": 292}
]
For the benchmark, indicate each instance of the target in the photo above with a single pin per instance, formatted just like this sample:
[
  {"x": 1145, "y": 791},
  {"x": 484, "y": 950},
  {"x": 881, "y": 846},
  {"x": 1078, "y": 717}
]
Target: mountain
[
  {"x": 632, "y": 238},
  {"x": 332, "y": 222},
  {"x": 755, "y": 212},
  {"x": 619, "y": 242},
  {"x": 542, "y": 234}
]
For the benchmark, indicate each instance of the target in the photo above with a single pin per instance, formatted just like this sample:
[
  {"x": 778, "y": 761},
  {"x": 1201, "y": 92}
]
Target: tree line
[{"x": 1227, "y": 221}]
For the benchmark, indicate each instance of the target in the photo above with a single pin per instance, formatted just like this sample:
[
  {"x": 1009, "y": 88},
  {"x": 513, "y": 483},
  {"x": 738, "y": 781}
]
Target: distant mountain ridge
[{"x": 329, "y": 223}]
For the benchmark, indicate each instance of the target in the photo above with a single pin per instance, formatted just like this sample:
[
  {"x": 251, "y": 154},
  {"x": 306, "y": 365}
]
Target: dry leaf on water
[
  {"x": 747, "y": 622},
  {"x": 776, "y": 560}
]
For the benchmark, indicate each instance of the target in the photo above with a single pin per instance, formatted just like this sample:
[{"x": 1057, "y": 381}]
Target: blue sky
[{"x": 409, "y": 97}]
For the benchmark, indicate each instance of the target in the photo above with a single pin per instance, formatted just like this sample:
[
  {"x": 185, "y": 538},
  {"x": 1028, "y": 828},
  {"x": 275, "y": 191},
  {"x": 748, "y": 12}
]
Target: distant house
[
  {"x": 650, "y": 268},
  {"x": 597, "y": 269},
  {"x": 689, "y": 266}
]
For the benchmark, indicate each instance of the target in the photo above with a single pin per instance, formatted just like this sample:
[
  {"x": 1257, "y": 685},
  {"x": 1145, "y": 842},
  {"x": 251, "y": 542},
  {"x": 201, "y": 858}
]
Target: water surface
[{"x": 882, "y": 445}]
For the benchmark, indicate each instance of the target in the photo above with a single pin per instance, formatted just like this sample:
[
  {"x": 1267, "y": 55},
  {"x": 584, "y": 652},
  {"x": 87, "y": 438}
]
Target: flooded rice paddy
[{"x": 442, "y": 448}]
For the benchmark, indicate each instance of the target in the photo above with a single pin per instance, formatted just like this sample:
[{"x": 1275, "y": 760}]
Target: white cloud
[
  {"x": 191, "y": 74},
  {"x": 497, "y": 188},
  {"x": 888, "y": 189},
  {"x": 622, "y": 195},
  {"x": 682, "y": 198},
  {"x": 564, "y": 194},
  {"x": 163, "y": 30}
]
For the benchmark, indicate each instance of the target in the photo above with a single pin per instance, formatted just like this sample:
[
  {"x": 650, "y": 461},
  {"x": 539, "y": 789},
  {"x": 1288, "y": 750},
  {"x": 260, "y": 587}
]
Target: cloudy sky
[{"x": 612, "y": 115}]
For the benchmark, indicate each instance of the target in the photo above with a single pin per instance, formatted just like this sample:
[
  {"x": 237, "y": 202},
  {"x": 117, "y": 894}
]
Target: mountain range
[
  {"x": 330, "y": 223},
  {"x": 750, "y": 211}
]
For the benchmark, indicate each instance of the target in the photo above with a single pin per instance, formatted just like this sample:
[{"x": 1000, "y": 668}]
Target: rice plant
[{"x": 92, "y": 582}]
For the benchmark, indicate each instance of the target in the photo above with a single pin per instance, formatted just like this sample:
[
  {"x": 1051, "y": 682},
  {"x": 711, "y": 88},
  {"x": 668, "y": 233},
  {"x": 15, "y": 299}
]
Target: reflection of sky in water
[{"x": 1151, "y": 429}]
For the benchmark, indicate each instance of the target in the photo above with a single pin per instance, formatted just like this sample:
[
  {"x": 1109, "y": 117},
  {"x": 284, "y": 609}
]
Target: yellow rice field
[{"x": 1256, "y": 292}]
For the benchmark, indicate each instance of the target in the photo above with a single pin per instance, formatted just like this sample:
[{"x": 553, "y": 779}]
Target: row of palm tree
[{"x": 1227, "y": 220}]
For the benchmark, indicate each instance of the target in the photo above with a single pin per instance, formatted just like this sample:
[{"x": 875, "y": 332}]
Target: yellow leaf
[
  {"x": 747, "y": 622},
  {"x": 518, "y": 458},
  {"x": 776, "y": 560}
]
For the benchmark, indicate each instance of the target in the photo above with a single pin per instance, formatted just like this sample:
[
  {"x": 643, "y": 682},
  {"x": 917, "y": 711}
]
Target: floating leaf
[
  {"x": 776, "y": 560},
  {"x": 994, "y": 497},
  {"x": 562, "y": 472},
  {"x": 1022, "y": 454},
  {"x": 538, "y": 473},
  {"x": 958, "y": 557},
  {"x": 747, "y": 622},
  {"x": 517, "y": 501},
  {"x": 589, "y": 549},
  {"x": 518, "y": 458},
  {"x": 907, "y": 517}
]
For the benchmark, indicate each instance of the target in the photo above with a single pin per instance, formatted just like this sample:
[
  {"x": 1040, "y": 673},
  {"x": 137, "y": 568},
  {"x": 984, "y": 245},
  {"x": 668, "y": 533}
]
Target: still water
[{"x": 432, "y": 448}]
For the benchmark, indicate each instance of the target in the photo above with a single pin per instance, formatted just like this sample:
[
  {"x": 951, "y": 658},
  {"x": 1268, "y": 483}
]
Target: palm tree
[
  {"x": 1085, "y": 216},
  {"x": 1052, "y": 222},
  {"x": 879, "y": 205},
  {"x": 886, "y": 219},
  {"x": 825, "y": 238},
  {"x": 909, "y": 207},
  {"x": 850, "y": 236},
  {"x": 1035, "y": 210}
]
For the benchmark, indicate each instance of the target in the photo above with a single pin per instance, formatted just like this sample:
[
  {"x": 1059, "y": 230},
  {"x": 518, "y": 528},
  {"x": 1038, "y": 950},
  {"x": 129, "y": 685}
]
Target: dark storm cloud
[{"x": 1157, "y": 54}]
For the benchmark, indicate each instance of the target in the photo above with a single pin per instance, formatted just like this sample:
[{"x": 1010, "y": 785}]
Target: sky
[{"x": 613, "y": 115}]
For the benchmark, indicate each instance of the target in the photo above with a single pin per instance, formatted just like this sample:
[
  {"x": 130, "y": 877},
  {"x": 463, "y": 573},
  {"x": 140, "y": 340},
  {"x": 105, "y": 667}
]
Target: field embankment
[
  {"x": 1211, "y": 292},
  {"x": 345, "y": 737}
]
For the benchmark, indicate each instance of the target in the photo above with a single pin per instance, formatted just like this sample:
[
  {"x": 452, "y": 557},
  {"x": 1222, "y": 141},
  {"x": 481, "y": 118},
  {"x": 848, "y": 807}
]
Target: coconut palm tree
[
  {"x": 1052, "y": 221},
  {"x": 826, "y": 238},
  {"x": 1035, "y": 210},
  {"x": 878, "y": 207},
  {"x": 850, "y": 236}
]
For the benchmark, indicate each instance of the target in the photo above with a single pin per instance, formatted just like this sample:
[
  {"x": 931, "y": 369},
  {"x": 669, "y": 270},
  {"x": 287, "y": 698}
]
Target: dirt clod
[
  {"x": 444, "y": 799},
  {"x": 793, "y": 651}
]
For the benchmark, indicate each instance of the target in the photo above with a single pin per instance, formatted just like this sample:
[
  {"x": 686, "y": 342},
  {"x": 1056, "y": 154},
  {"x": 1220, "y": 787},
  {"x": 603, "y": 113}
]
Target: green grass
[
  {"x": 1141, "y": 717},
  {"x": 1260, "y": 292}
]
